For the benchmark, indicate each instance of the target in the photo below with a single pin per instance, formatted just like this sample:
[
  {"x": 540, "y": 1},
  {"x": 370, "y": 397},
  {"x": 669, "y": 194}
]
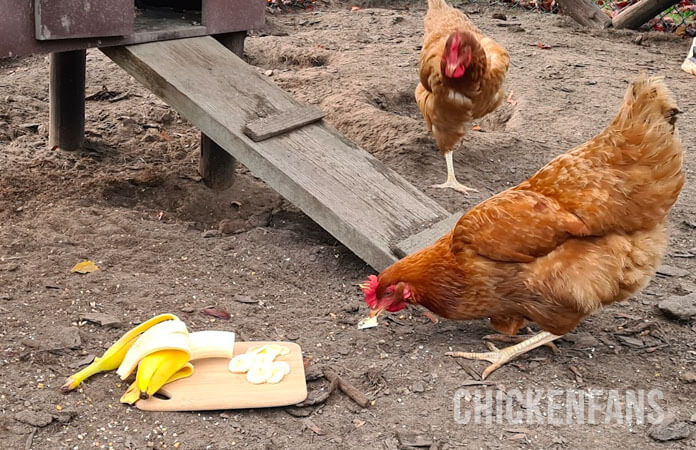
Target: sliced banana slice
[
  {"x": 241, "y": 363},
  {"x": 367, "y": 322},
  {"x": 259, "y": 373},
  {"x": 271, "y": 350},
  {"x": 278, "y": 371}
]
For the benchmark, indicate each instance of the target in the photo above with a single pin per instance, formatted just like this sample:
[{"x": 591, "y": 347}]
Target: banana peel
[
  {"x": 114, "y": 355},
  {"x": 160, "y": 349}
]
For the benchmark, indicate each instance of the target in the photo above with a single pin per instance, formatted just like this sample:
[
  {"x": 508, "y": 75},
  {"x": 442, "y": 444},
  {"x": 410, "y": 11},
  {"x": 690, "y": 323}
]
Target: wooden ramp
[{"x": 368, "y": 207}]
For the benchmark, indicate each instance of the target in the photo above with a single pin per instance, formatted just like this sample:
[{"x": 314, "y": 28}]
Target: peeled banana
[
  {"x": 160, "y": 349},
  {"x": 114, "y": 355}
]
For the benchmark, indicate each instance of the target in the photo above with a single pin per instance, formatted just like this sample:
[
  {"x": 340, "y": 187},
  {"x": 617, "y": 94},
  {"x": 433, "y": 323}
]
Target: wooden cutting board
[{"x": 212, "y": 386}]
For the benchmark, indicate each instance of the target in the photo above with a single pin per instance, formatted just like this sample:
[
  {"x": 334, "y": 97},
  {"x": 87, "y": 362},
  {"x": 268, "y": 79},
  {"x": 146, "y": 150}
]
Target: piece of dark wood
[
  {"x": 66, "y": 128},
  {"x": 343, "y": 188},
  {"x": 637, "y": 14},
  {"x": 351, "y": 391},
  {"x": 585, "y": 12},
  {"x": 216, "y": 166},
  {"x": 70, "y": 19},
  {"x": 284, "y": 122}
]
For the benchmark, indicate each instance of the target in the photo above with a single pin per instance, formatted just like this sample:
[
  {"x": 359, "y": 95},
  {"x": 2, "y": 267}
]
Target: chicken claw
[
  {"x": 456, "y": 185},
  {"x": 498, "y": 357},
  {"x": 452, "y": 179}
]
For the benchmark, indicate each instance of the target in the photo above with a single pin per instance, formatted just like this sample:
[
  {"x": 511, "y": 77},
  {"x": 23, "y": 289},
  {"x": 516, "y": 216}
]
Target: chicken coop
[
  {"x": 187, "y": 52},
  {"x": 66, "y": 28}
]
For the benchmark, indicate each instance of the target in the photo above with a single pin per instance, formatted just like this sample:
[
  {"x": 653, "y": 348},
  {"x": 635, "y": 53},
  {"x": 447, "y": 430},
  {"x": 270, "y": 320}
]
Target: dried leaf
[
  {"x": 84, "y": 267},
  {"x": 476, "y": 128},
  {"x": 217, "y": 312},
  {"x": 543, "y": 46}
]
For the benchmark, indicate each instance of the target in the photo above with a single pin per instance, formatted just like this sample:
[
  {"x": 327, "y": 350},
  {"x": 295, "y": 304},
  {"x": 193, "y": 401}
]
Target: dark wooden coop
[
  {"x": 66, "y": 28},
  {"x": 187, "y": 52}
]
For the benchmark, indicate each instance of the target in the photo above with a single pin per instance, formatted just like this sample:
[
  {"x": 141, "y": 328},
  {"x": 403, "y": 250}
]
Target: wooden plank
[
  {"x": 212, "y": 386},
  {"x": 347, "y": 191},
  {"x": 426, "y": 237},
  {"x": 284, "y": 122},
  {"x": 66, "y": 129},
  {"x": 70, "y": 19},
  {"x": 637, "y": 14}
]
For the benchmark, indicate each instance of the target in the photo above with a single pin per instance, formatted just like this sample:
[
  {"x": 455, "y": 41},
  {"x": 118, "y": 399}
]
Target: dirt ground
[{"x": 133, "y": 202}]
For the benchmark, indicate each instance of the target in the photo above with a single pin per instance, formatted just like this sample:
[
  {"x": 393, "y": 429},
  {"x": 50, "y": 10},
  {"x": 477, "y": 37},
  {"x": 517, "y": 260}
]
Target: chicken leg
[
  {"x": 499, "y": 357},
  {"x": 451, "y": 179}
]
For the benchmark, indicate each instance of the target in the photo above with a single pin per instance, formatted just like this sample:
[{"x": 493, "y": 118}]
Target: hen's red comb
[{"x": 369, "y": 288}]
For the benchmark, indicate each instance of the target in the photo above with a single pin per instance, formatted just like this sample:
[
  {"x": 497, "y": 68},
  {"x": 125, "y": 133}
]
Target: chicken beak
[
  {"x": 376, "y": 312},
  {"x": 449, "y": 69}
]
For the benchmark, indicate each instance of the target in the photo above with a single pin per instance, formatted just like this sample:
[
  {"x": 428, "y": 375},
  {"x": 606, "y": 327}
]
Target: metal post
[
  {"x": 216, "y": 165},
  {"x": 67, "y": 99}
]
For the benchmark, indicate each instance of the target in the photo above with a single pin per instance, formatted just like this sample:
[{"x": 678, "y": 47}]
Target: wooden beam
[
  {"x": 585, "y": 12},
  {"x": 637, "y": 14},
  {"x": 425, "y": 237},
  {"x": 217, "y": 166},
  {"x": 277, "y": 124},
  {"x": 66, "y": 89},
  {"x": 346, "y": 190}
]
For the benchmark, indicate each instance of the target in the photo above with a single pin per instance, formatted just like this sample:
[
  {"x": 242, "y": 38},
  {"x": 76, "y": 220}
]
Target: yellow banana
[
  {"x": 148, "y": 366},
  {"x": 166, "y": 373},
  {"x": 154, "y": 371},
  {"x": 114, "y": 355}
]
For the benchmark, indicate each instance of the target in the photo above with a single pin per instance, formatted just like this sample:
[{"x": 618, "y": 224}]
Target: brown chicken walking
[
  {"x": 586, "y": 230},
  {"x": 461, "y": 79}
]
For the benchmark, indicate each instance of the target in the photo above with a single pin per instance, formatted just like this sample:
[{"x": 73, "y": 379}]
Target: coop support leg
[
  {"x": 66, "y": 128},
  {"x": 216, "y": 165}
]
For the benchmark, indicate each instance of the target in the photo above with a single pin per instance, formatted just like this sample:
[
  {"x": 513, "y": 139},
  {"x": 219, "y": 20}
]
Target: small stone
[
  {"x": 693, "y": 418},
  {"x": 62, "y": 338},
  {"x": 245, "y": 299},
  {"x": 499, "y": 16},
  {"x": 632, "y": 341},
  {"x": 187, "y": 309},
  {"x": 669, "y": 430},
  {"x": 679, "y": 307},
  {"x": 268, "y": 73},
  {"x": 671, "y": 271},
  {"x": 689, "y": 377},
  {"x": 638, "y": 40},
  {"x": 34, "y": 418},
  {"x": 418, "y": 387},
  {"x": 581, "y": 340},
  {"x": 413, "y": 439},
  {"x": 397, "y": 19},
  {"x": 104, "y": 320}
]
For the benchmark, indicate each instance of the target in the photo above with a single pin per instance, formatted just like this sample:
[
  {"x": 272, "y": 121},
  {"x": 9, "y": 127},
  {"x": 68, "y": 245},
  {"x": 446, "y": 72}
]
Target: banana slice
[
  {"x": 278, "y": 371},
  {"x": 271, "y": 350},
  {"x": 241, "y": 363},
  {"x": 259, "y": 373},
  {"x": 367, "y": 322}
]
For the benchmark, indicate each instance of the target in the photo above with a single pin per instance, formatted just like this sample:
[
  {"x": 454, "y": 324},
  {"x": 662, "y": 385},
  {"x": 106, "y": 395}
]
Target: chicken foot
[
  {"x": 498, "y": 357},
  {"x": 452, "y": 179}
]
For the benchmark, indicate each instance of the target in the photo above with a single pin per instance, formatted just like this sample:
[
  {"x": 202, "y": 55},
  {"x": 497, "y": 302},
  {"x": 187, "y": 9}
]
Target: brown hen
[
  {"x": 587, "y": 230},
  {"x": 461, "y": 79}
]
